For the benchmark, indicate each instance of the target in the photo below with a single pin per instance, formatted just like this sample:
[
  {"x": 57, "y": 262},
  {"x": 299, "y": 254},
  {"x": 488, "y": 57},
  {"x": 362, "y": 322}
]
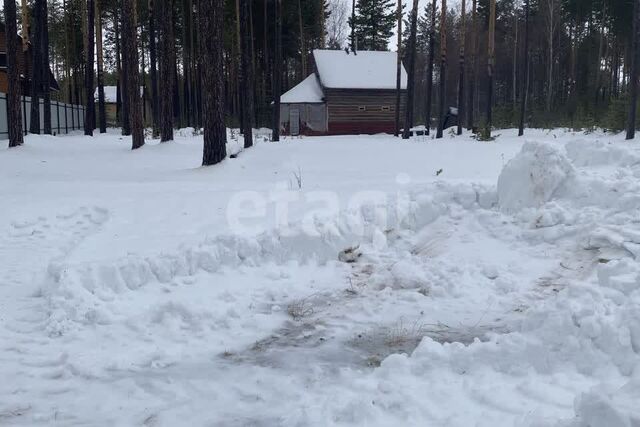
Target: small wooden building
[
  {"x": 111, "y": 105},
  {"x": 348, "y": 93}
]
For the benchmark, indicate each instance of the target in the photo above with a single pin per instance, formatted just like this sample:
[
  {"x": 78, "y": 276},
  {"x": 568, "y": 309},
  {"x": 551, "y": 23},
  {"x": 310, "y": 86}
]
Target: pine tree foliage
[{"x": 374, "y": 23}]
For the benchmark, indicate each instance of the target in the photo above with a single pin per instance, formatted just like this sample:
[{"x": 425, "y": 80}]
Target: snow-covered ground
[{"x": 321, "y": 281}]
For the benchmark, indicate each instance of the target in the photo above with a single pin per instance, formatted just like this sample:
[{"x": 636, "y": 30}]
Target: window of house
[
  {"x": 3, "y": 60},
  {"x": 362, "y": 108},
  {"x": 386, "y": 108}
]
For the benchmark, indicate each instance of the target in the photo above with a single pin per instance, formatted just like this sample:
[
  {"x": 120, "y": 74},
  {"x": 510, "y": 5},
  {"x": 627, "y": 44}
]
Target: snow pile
[{"x": 533, "y": 177}]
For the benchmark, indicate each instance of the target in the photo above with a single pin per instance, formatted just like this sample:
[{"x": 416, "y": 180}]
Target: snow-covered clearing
[{"x": 493, "y": 284}]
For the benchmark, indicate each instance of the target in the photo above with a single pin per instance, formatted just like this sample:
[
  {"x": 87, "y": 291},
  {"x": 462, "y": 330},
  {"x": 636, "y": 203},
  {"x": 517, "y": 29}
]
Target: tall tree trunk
[
  {"x": 186, "y": 61},
  {"x": 130, "y": 57},
  {"x": 46, "y": 78},
  {"x": 122, "y": 102},
  {"x": 152, "y": 70},
  {"x": 474, "y": 68},
  {"x": 246, "y": 70},
  {"x": 102, "y": 113},
  {"x": 13, "y": 75},
  {"x": 514, "y": 66},
  {"x": 89, "y": 112},
  {"x": 432, "y": 44},
  {"x": 67, "y": 52},
  {"x": 36, "y": 65},
  {"x": 461, "y": 99},
  {"x": 635, "y": 63},
  {"x": 354, "y": 42},
  {"x": 215, "y": 132},
  {"x": 443, "y": 68},
  {"x": 303, "y": 47},
  {"x": 490, "y": 66},
  {"x": 399, "y": 69},
  {"x": 167, "y": 68},
  {"x": 408, "y": 121},
  {"x": 525, "y": 75},
  {"x": 277, "y": 71},
  {"x": 323, "y": 25},
  {"x": 24, "y": 12},
  {"x": 551, "y": 26}
]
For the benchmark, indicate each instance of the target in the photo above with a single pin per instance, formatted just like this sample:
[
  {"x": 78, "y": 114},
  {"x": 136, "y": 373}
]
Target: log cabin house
[
  {"x": 348, "y": 93},
  {"x": 24, "y": 67}
]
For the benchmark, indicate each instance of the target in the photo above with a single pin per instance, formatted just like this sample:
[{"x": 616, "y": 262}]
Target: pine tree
[
  {"x": 443, "y": 68},
  {"x": 635, "y": 64},
  {"x": 88, "y": 75},
  {"x": 153, "y": 69},
  {"x": 167, "y": 69},
  {"x": 398, "y": 69},
  {"x": 246, "y": 72},
  {"x": 211, "y": 31},
  {"x": 432, "y": 45},
  {"x": 461, "y": 106},
  {"x": 491, "y": 58},
  {"x": 36, "y": 67},
  {"x": 408, "y": 121},
  {"x": 131, "y": 72},
  {"x": 277, "y": 72},
  {"x": 13, "y": 92},
  {"x": 473, "y": 67},
  {"x": 102, "y": 113},
  {"x": 524, "y": 86},
  {"x": 45, "y": 79},
  {"x": 373, "y": 23}
]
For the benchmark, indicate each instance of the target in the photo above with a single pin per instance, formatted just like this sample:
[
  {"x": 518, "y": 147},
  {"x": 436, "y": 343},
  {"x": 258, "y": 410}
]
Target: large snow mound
[{"x": 533, "y": 176}]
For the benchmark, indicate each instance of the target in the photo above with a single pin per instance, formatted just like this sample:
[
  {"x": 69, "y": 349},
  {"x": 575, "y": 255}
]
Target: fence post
[
  {"x": 58, "y": 115},
  {"x": 6, "y": 101},
  {"x": 66, "y": 125},
  {"x": 24, "y": 113}
]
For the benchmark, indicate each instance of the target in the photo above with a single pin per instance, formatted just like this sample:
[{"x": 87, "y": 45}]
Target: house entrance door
[{"x": 294, "y": 121}]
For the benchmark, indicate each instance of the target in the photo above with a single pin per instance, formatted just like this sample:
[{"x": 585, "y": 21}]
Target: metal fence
[{"x": 64, "y": 117}]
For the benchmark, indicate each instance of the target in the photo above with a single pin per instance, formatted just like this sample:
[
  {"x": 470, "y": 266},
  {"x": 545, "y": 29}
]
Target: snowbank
[{"x": 532, "y": 177}]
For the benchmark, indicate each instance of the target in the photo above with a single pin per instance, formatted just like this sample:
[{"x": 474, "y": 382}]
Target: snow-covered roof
[
  {"x": 110, "y": 94},
  {"x": 364, "y": 70},
  {"x": 307, "y": 91}
]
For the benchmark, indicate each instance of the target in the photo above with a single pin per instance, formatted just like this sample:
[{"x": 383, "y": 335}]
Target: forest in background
[{"x": 573, "y": 59}]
